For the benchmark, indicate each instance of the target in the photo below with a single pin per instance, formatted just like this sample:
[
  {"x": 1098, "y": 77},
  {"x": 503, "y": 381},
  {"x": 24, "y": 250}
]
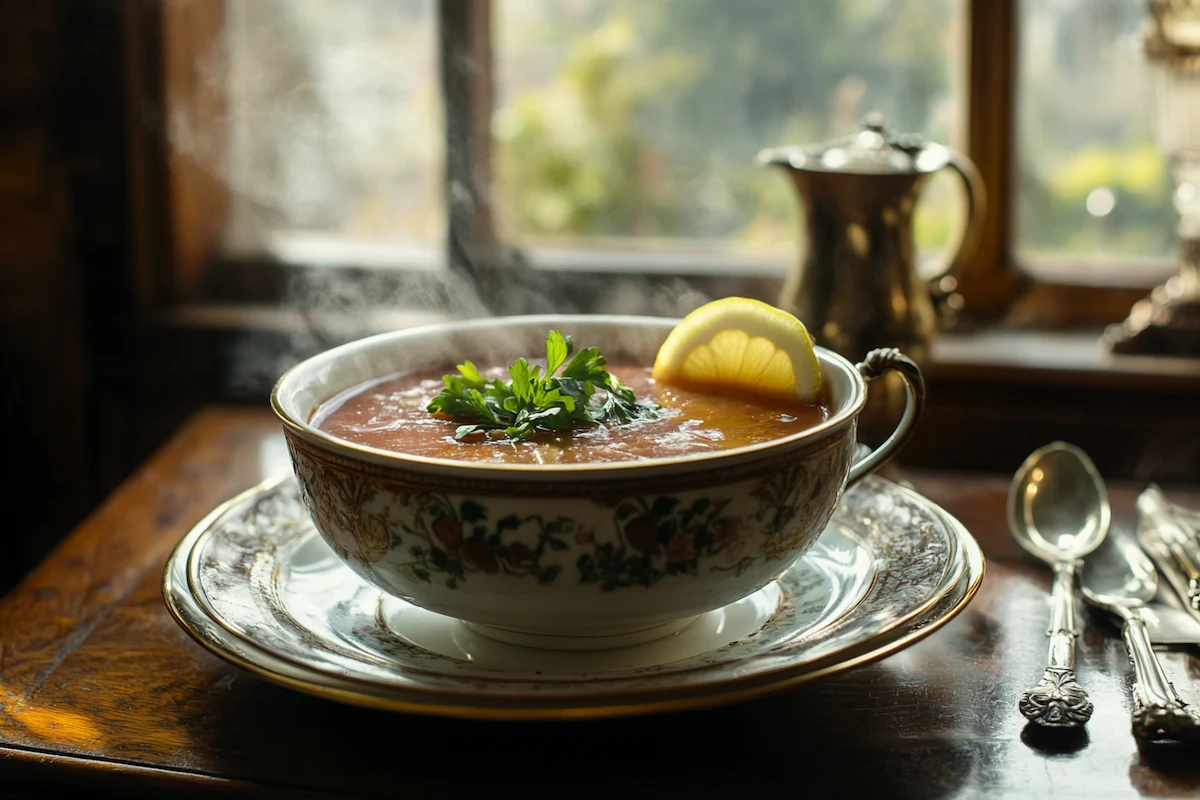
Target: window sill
[
  {"x": 624, "y": 255},
  {"x": 1076, "y": 358},
  {"x": 995, "y": 396},
  {"x": 616, "y": 255},
  {"x": 317, "y": 270}
]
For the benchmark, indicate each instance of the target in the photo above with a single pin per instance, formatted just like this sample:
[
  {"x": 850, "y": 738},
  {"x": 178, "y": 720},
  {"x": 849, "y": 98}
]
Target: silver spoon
[
  {"x": 1120, "y": 578},
  {"x": 1058, "y": 511}
]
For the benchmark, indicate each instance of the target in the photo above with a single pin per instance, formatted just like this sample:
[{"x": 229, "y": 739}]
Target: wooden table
[{"x": 101, "y": 691}]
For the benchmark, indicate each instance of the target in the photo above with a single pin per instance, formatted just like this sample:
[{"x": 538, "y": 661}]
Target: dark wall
[{"x": 65, "y": 257}]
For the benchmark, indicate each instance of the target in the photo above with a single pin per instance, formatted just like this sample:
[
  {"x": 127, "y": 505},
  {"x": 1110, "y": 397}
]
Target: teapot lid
[{"x": 872, "y": 150}]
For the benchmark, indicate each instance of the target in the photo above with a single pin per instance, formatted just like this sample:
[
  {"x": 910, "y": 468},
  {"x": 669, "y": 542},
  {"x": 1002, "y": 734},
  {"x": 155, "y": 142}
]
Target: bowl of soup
[{"x": 604, "y": 535}]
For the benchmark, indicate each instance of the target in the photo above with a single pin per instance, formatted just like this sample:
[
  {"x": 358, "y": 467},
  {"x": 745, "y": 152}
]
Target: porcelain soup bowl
[{"x": 543, "y": 555}]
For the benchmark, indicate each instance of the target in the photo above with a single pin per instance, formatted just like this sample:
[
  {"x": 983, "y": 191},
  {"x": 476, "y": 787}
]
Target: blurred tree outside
[
  {"x": 572, "y": 156},
  {"x": 1091, "y": 182},
  {"x": 646, "y": 118},
  {"x": 1140, "y": 219}
]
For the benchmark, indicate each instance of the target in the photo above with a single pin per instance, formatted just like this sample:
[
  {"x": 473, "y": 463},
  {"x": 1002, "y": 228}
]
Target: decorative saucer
[{"x": 256, "y": 584}]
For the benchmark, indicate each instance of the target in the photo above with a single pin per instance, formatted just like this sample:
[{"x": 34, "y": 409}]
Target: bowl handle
[{"x": 875, "y": 364}]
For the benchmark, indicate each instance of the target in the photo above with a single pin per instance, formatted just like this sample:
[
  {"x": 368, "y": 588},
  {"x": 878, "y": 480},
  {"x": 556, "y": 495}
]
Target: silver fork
[
  {"x": 1121, "y": 579},
  {"x": 1166, "y": 529}
]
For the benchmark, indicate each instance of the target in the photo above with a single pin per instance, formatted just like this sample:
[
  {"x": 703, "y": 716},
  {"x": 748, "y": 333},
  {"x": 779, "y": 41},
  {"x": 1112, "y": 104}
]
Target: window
[
  {"x": 334, "y": 121},
  {"x": 618, "y": 127},
  {"x": 1092, "y": 183},
  {"x": 594, "y": 138},
  {"x": 634, "y": 125}
]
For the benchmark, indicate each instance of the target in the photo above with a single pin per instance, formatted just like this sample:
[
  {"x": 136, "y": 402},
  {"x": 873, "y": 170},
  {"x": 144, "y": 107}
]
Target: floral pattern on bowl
[{"x": 389, "y": 531}]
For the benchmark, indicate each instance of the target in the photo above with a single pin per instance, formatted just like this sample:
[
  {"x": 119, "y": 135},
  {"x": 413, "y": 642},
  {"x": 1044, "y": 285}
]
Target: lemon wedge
[{"x": 741, "y": 346}]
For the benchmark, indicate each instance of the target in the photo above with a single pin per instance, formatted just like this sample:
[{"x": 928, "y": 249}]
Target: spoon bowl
[{"x": 1058, "y": 505}]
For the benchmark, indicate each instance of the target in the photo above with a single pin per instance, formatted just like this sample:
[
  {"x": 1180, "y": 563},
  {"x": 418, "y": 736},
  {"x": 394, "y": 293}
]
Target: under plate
[{"x": 255, "y": 584}]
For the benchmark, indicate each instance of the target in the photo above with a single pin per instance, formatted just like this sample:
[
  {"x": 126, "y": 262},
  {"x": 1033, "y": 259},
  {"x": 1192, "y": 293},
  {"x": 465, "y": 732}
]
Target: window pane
[
  {"x": 641, "y": 120},
  {"x": 335, "y": 122},
  {"x": 1092, "y": 182}
]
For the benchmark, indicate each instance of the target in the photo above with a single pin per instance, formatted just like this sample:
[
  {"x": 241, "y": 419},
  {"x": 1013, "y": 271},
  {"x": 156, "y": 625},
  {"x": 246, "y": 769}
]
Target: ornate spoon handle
[
  {"x": 1158, "y": 711},
  {"x": 1058, "y": 701}
]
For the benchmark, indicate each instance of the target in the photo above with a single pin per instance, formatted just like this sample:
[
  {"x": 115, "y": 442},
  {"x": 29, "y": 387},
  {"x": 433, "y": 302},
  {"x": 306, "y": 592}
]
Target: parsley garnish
[{"x": 534, "y": 399}]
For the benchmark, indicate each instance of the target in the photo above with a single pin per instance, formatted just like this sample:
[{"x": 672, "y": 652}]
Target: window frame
[{"x": 179, "y": 207}]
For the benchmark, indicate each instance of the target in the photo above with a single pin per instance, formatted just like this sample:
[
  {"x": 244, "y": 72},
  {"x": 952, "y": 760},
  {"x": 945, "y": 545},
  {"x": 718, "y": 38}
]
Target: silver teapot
[{"x": 856, "y": 285}]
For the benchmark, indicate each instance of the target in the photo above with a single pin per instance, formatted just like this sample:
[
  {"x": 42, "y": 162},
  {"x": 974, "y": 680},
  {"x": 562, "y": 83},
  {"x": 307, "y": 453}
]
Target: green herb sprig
[{"x": 533, "y": 399}]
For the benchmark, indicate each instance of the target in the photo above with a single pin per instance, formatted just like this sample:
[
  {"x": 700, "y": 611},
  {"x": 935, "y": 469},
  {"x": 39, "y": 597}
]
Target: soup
[{"x": 390, "y": 414}]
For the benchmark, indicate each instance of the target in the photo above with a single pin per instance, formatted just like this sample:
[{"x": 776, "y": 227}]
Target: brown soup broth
[{"x": 389, "y": 414}]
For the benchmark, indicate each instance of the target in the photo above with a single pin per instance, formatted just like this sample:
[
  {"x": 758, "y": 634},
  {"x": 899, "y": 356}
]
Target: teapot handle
[{"x": 955, "y": 260}]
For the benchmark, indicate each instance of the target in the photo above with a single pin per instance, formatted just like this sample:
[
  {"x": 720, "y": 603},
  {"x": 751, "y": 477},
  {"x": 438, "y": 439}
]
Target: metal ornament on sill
[
  {"x": 856, "y": 285},
  {"x": 1167, "y": 322}
]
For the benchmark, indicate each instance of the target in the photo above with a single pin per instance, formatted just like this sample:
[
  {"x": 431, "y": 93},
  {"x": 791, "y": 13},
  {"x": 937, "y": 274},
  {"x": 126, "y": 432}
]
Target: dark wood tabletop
[{"x": 101, "y": 692}]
